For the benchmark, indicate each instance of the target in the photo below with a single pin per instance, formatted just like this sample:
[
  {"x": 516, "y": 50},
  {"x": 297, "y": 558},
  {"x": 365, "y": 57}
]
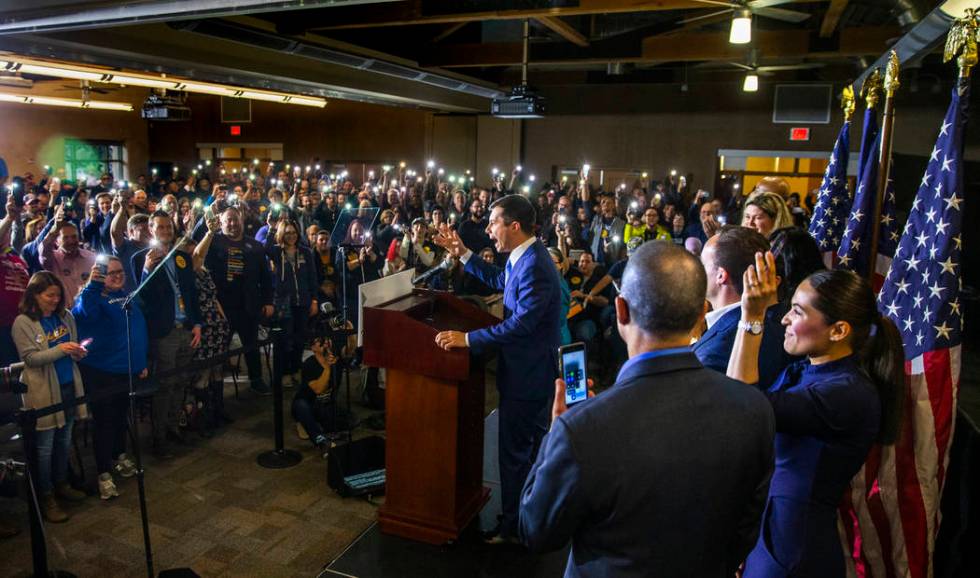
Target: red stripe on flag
[
  {"x": 910, "y": 503},
  {"x": 872, "y": 494},
  {"x": 852, "y": 533},
  {"x": 939, "y": 379}
]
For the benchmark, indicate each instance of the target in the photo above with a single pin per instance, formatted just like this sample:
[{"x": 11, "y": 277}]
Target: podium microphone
[{"x": 433, "y": 272}]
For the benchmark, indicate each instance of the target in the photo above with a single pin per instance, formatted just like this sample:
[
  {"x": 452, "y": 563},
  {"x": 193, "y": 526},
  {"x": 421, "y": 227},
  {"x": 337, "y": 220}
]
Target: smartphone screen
[{"x": 573, "y": 364}]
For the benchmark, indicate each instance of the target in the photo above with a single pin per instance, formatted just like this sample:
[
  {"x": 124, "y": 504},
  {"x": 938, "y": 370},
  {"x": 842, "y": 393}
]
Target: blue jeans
[
  {"x": 304, "y": 411},
  {"x": 583, "y": 330},
  {"x": 54, "y": 446}
]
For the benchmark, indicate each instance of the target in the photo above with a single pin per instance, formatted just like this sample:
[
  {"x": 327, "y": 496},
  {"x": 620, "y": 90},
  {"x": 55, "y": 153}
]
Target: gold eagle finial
[
  {"x": 891, "y": 74},
  {"x": 871, "y": 89},
  {"x": 961, "y": 42},
  {"x": 847, "y": 102}
]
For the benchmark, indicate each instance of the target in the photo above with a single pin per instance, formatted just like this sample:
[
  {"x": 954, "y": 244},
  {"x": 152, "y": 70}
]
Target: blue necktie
[{"x": 507, "y": 272}]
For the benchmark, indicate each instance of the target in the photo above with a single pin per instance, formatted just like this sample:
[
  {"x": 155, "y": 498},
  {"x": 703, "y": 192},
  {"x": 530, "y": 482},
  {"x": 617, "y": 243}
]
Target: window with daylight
[{"x": 86, "y": 160}]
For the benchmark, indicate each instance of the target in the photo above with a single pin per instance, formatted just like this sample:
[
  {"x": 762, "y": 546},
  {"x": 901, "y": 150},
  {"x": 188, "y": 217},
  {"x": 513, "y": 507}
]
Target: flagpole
[{"x": 885, "y": 154}]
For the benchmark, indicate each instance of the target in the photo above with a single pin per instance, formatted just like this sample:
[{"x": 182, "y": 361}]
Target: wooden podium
[{"x": 434, "y": 400}]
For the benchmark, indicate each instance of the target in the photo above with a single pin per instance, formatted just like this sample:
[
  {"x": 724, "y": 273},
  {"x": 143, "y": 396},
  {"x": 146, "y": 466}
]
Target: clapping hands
[{"x": 759, "y": 284}]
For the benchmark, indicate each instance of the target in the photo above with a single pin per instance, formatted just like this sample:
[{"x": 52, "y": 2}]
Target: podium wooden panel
[{"x": 434, "y": 402}]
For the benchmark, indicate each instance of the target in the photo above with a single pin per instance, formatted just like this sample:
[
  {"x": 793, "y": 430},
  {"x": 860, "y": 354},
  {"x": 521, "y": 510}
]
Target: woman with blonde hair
[{"x": 766, "y": 212}]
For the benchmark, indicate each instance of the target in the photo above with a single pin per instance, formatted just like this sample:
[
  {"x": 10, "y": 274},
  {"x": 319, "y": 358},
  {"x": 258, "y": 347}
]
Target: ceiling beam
[
  {"x": 411, "y": 13},
  {"x": 564, "y": 29},
  {"x": 448, "y": 31},
  {"x": 87, "y": 14},
  {"x": 832, "y": 17},
  {"x": 688, "y": 47},
  {"x": 709, "y": 17}
]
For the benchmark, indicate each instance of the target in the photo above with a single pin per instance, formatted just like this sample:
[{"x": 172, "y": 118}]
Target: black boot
[
  {"x": 221, "y": 417},
  {"x": 205, "y": 403}
]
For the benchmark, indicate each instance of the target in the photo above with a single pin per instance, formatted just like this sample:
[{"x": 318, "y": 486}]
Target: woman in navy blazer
[{"x": 830, "y": 409}]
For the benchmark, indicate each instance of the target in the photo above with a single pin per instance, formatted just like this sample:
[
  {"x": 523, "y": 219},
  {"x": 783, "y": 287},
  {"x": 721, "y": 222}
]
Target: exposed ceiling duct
[
  {"x": 83, "y": 15},
  {"x": 908, "y": 13},
  {"x": 257, "y": 38},
  {"x": 922, "y": 38}
]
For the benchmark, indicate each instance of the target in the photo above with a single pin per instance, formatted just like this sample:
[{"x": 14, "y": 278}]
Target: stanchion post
[{"x": 280, "y": 457}]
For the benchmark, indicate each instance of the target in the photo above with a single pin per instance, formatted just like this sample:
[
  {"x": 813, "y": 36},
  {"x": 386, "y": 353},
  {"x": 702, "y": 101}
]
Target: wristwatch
[{"x": 753, "y": 327}]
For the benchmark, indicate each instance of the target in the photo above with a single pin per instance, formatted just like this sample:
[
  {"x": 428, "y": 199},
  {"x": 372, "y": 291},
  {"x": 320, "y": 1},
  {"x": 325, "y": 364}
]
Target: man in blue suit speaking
[{"x": 526, "y": 341}]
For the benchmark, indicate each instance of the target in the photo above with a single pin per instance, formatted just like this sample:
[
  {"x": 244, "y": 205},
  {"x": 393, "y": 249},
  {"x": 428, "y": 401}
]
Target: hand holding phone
[{"x": 573, "y": 372}]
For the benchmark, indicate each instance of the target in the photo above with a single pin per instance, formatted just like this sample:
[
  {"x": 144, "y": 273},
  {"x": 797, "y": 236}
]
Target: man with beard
[
  {"x": 244, "y": 282},
  {"x": 472, "y": 230},
  {"x": 69, "y": 261}
]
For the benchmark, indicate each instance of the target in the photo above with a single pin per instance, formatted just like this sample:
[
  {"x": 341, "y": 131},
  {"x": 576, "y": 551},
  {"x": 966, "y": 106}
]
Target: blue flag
[
  {"x": 833, "y": 201},
  {"x": 855, "y": 244},
  {"x": 921, "y": 291},
  {"x": 869, "y": 134}
]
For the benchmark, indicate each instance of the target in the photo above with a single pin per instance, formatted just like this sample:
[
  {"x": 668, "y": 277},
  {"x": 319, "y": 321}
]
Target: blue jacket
[
  {"x": 664, "y": 474},
  {"x": 827, "y": 419},
  {"x": 101, "y": 318},
  {"x": 715, "y": 346},
  {"x": 527, "y": 339},
  {"x": 32, "y": 251}
]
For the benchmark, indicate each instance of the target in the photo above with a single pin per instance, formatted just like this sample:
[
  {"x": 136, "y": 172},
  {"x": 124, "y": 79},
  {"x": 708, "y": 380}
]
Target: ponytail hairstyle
[{"x": 845, "y": 296}]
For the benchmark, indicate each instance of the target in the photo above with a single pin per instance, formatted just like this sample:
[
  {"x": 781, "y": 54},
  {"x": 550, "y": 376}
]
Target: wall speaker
[
  {"x": 236, "y": 110},
  {"x": 802, "y": 103}
]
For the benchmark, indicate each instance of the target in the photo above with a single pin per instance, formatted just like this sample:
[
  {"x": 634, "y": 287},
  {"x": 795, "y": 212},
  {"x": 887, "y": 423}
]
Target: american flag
[
  {"x": 896, "y": 496},
  {"x": 869, "y": 135},
  {"x": 888, "y": 236},
  {"x": 855, "y": 247},
  {"x": 833, "y": 201}
]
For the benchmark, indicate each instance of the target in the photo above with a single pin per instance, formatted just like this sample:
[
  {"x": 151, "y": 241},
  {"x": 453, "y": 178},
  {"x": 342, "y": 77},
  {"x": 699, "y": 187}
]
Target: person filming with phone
[
  {"x": 101, "y": 322},
  {"x": 667, "y": 472}
]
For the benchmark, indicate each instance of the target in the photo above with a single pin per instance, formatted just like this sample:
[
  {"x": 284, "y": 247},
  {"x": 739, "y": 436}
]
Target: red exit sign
[{"x": 799, "y": 133}]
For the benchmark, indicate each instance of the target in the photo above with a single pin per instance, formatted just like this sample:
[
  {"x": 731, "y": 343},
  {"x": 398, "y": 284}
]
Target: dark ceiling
[{"x": 454, "y": 54}]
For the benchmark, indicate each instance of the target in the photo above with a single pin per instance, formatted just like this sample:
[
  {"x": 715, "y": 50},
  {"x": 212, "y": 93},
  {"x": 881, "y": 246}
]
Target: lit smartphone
[
  {"x": 573, "y": 364},
  {"x": 102, "y": 261},
  {"x": 86, "y": 342}
]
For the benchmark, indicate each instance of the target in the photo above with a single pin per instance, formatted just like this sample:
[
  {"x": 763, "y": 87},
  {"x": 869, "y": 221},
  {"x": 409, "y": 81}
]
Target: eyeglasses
[{"x": 118, "y": 273}]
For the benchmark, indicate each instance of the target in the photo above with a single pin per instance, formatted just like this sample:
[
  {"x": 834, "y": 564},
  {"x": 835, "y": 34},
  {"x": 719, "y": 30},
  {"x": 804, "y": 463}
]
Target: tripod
[{"x": 338, "y": 338}]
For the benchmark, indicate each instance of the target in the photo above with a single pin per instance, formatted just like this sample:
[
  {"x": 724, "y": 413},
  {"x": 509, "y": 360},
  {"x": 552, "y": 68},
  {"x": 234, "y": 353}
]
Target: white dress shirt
[{"x": 712, "y": 316}]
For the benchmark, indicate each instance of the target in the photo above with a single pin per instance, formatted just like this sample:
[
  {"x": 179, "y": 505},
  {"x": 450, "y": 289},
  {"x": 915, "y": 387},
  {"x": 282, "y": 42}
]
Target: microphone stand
[
  {"x": 133, "y": 431},
  {"x": 344, "y": 376}
]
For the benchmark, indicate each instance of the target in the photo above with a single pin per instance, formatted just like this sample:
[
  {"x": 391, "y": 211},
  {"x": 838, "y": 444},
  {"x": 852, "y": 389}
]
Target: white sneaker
[
  {"x": 107, "y": 488},
  {"x": 125, "y": 466}
]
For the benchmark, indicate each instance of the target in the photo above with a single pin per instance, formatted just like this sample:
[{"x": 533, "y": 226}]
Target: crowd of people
[{"x": 651, "y": 264}]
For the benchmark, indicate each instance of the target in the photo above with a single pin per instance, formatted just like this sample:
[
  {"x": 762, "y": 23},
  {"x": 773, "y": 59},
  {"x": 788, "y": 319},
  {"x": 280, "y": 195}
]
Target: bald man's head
[{"x": 664, "y": 286}]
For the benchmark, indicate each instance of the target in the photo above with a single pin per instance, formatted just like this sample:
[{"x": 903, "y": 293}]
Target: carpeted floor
[{"x": 212, "y": 508}]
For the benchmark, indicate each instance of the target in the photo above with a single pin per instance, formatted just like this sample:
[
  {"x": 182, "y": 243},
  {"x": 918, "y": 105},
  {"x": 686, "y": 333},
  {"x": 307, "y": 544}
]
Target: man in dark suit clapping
[{"x": 666, "y": 473}]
